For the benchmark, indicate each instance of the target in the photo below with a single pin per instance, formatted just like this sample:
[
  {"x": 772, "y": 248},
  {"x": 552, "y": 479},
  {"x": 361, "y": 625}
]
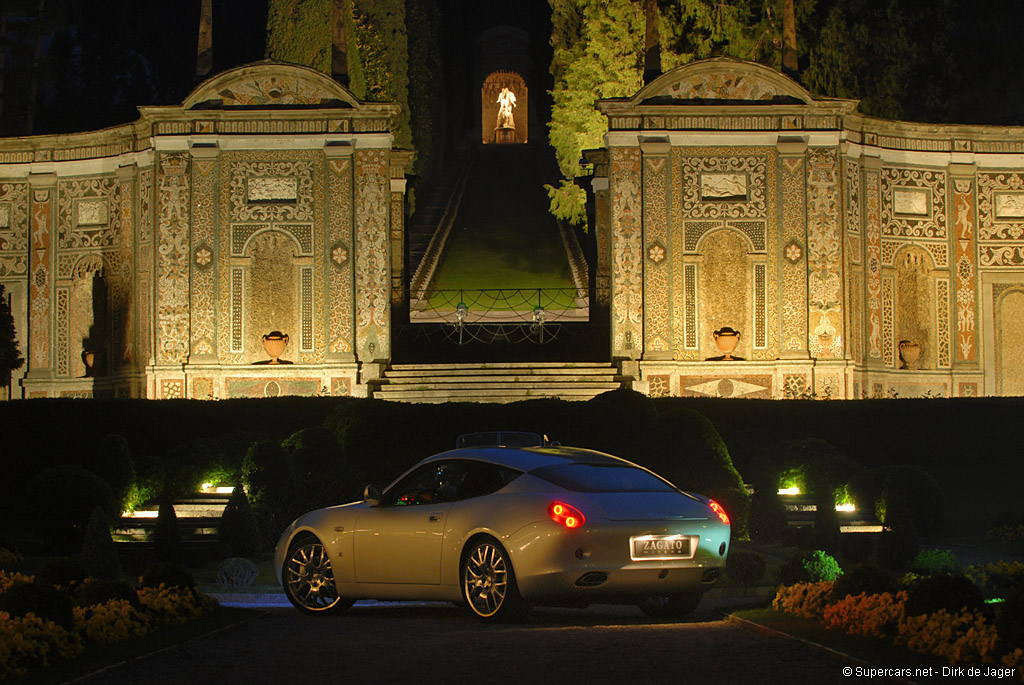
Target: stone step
[
  {"x": 498, "y": 394},
  {"x": 454, "y": 384},
  {"x": 555, "y": 374},
  {"x": 502, "y": 365}
]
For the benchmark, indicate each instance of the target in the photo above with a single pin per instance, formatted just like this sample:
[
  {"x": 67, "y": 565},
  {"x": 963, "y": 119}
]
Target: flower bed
[
  {"x": 964, "y": 638},
  {"x": 28, "y": 641}
]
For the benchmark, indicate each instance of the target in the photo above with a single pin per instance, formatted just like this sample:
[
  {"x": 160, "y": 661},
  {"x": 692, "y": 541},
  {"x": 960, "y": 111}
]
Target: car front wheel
[
  {"x": 489, "y": 584},
  {"x": 309, "y": 580},
  {"x": 670, "y": 606}
]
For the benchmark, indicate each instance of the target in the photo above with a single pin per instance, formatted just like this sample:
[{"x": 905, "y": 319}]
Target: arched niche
[
  {"x": 88, "y": 308},
  {"x": 495, "y": 129},
  {"x": 914, "y": 318},
  {"x": 271, "y": 292},
  {"x": 726, "y": 294},
  {"x": 1009, "y": 342}
]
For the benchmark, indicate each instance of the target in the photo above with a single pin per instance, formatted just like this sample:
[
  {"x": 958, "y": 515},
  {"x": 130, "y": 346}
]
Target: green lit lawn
[{"x": 503, "y": 237}]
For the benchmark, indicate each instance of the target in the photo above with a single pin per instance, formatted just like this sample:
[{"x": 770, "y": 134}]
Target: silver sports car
[{"x": 505, "y": 521}]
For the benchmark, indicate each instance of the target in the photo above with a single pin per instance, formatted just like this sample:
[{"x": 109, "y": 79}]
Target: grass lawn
[
  {"x": 504, "y": 236},
  {"x": 99, "y": 656}
]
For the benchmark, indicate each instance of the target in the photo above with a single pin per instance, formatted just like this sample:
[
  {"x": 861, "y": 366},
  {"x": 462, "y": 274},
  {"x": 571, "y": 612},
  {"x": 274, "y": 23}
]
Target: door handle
[{"x": 435, "y": 516}]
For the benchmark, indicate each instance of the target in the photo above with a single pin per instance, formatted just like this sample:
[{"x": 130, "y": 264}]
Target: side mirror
[{"x": 371, "y": 495}]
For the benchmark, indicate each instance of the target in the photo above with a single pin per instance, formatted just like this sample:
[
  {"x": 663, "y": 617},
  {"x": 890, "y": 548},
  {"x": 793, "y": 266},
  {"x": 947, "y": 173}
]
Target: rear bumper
[{"x": 617, "y": 584}]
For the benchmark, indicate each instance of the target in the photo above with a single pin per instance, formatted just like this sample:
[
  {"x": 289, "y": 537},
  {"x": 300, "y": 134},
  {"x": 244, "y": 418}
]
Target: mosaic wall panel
[
  {"x": 261, "y": 387},
  {"x": 751, "y": 387},
  {"x": 145, "y": 261},
  {"x": 63, "y": 331},
  {"x": 658, "y": 386},
  {"x": 41, "y": 279},
  {"x": 942, "y": 323},
  {"x": 794, "y": 266},
  {"x": 1008, "y": 345},
  {"x": 873, "y": 262},
  {"x": 760, "y": 306},
  {"x": 968, "y": 389},
  {"x": 851, "y": 181},
  {"x": 725, "y": 295},
  {"x": 81, "y": 223},
  {"x": 122, "y": 278},
  {"x": 174, "y": 219},
  {"x": 14, "y": 229},
  {"x": 1001, "y": 218},
  {"x": 281, "y": 192},
  {"x": 172, "y": 389},
  {"x": 397, "y": 247},
  {"x": 657, "y": 336},
  {"x": 914, "y": 203},
  {"x": 714, "y": 188},
  {"x": 339, "y": 238},
  {"x": 825, "y": 255},
  {"x": 965, "y": 269},
  {"x": 204, "y": 265},
  {"x": 372, "y": 190},
  {"x": 627, "y": 252},
  {"x": 202, "y": 389},
  {"x": 856, "y": 311},
  {"x": 888, "y": 342},
  {"x": 341, "y": 387},
  {"x": 306, "y": 309},
  {"x": 794, "y": 386}
]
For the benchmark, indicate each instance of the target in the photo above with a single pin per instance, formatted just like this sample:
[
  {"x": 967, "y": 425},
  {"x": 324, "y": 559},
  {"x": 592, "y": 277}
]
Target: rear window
[{"x": 601, "y": 478}]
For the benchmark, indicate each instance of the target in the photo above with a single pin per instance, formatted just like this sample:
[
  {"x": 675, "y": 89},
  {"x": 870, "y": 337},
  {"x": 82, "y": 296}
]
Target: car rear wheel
[
  {"x": 670, "y": 606},
  {"x": 489, "y": 584},
  {"x": 309, "y": 580}
]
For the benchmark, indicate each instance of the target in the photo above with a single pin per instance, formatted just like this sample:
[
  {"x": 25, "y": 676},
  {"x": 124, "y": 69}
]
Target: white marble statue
[{"x": 506, "y": 101}]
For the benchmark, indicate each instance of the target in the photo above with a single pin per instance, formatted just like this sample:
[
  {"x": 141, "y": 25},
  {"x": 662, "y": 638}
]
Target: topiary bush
[
  {"x": 96, "y": 591},
  {"x": 822, "y": 567},
  {"x": 863, "y": 579},
  {"x": 898, "y": 544},
  {"x": 794, "y": 570},
  {"x": 78, "y": 491},
  {"x": 767, "y": 523},
  {"x": 167, "y": 534},
  {"x": 239, "y": 536},
  {"x": 826, "y": 527},
  {"x": 110, "y": 458},
  {"x": 931, "y": 561},
  {"x": 953, "y": 593},
  {"x": 42, "y": 599},
  {"x": 236, "y": 574},
  {"x": 63, "y": 571},
  {"x": 169, "y": 574},
  {"x": 744, "y": 568},
  {"x": 98, "y": 555},
  {"x": 1010, "y": 620},
  {"x": 683, "y": 446}
]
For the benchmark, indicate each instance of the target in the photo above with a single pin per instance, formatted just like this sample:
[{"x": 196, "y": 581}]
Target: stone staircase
[{"x": 496, "y": 382}]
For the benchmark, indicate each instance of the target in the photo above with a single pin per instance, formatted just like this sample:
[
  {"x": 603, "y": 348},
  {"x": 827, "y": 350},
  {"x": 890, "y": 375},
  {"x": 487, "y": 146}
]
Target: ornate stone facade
[
  {"x": 734, "y": 198},
  {"x": 167, "y": 248}
]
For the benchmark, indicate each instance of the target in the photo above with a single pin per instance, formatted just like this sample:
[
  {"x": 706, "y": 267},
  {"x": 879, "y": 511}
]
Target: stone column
[
  {"x": 657, "y": 258},
  {"x": 793, "y": 249},
  {"x": 872, "y": 167},
  {"x": 372, "y": 256},
  {"x": 123, "y": 280},
  {"x": 965, "y": 268},
  {"x": 41, "y": 306},
  {"x": 172, "y": 274},
  {"x": 339, "y": 281},
  {"x": 602, "y": 210},
  {"x": 203, "y": 256},
  {"x": 400, "y": 159}
]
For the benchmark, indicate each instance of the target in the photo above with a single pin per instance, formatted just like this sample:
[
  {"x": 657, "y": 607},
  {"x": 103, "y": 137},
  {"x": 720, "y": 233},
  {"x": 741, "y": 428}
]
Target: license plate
[{"x": 642, "y": 547}]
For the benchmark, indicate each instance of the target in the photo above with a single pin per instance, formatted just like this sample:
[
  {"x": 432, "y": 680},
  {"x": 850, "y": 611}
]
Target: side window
[
  {"x": 482, "y": 479},
  {"x": 430, "y": 484}
]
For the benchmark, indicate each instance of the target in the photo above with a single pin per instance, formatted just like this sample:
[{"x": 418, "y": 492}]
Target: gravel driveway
[{"x": 433, "y": 642}]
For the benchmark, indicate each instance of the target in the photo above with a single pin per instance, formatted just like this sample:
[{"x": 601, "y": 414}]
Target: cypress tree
[{"x": 10, "y": 358}]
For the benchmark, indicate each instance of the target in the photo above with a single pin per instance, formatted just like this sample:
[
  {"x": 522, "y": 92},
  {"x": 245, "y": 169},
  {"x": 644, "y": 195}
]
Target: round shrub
[
  {"x": 683, "y": 446},
  {"x": 931, "y": 561},
  {"x": 856, "y": 548},
  {"x": 99, "y": 557},
  {"x": 953, "y": 593},
  {"x": 42, "y": 599},
  {"x": 767, "y": 521},
  {"x": 921, "y": 493},
  {"x": 78, "y": 491},
  {"x": 744, "y": 568},
  {"x": 794, "y": 571},
  {"x": 898, "y": 544},
  {"x": 96, "y": 591},
  {"x": 863, "y": 579},
  {"x": 238, "y": 533},
  {"x": 236, "y": 574},
  {"x": 1010, "y": 620},
  {"x": 603, "y": 417},
  {"x": 167, "y": 534},
  {"x": 822, "y": 567},
  {"x": 63, "y": 571},
  {"x": 169, "y": 574}
]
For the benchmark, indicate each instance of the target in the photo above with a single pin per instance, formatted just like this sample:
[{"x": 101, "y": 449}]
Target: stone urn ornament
[
  {"x": 274, "y": 343},
  {"x": 910, "y": 352},
  {"x": 727, "y": 338},
  {"x": 89, "y": 359}
]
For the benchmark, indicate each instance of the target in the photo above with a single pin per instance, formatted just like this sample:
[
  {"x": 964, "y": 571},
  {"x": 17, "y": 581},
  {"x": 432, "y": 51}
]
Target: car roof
[{"x": 529, "y": 458}]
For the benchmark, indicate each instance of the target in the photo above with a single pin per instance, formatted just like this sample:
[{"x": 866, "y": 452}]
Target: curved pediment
[
  {"x": 723, "y": 80},
  {"x": 270, "y": 85}
]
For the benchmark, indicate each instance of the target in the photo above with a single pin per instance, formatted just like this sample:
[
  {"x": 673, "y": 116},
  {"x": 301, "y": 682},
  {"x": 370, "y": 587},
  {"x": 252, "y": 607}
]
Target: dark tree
[{"x": 10, "y": 359}]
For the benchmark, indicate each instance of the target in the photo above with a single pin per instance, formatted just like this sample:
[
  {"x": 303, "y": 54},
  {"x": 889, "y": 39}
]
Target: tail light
[
  {"x": 567, "y": 515},
  {"x": 717, "y": 508}
]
